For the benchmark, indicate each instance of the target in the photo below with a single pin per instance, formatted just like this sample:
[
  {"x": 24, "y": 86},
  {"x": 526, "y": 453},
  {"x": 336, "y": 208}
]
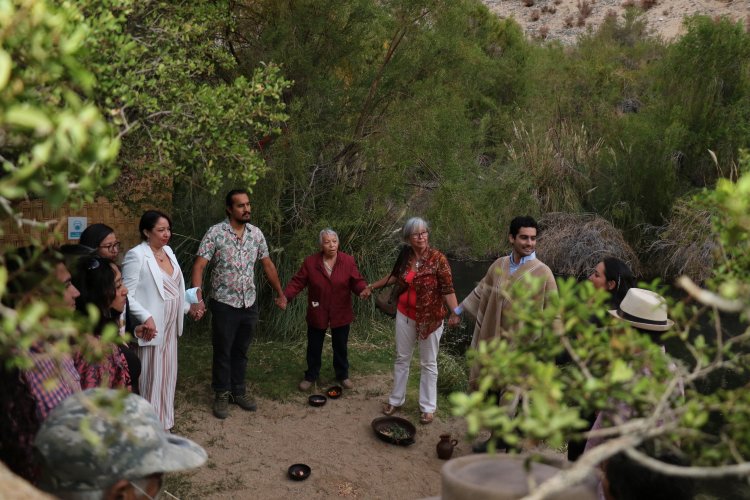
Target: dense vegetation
[
  {"x": 440, "y": 109},
  {"x": 355, "y": 115}
]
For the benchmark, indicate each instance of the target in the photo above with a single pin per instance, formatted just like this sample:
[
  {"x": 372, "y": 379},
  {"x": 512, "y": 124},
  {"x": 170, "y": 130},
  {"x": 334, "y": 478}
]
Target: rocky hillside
[{"x": 564, "y": 20}]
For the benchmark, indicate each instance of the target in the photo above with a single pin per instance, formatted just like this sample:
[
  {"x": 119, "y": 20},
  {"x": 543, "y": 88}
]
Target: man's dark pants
[
  {"x": 339, "y": 341},
  {"x": 233, "y": 330}
]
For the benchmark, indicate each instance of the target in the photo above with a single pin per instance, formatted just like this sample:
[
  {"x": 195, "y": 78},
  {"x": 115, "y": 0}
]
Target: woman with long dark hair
[
  {"x": 102, "y": 241},
  {"x": 100, "y": 283},
  {"x": 614, "y": 276}
]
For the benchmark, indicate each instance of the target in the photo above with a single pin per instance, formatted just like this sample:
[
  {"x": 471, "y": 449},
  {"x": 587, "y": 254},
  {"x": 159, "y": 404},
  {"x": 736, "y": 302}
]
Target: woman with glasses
[
  {"x": 99, "y": 282},
  {"x": 424, "y": 275},
  {"x": 101, "y": 239}
]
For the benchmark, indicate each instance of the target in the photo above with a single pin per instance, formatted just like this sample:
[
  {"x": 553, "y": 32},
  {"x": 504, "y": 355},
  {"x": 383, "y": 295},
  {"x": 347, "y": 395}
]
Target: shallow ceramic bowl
[
  {"x": 317, "y": 400},
  {"x": 299, "y": 472},
  {"x": 334, "y": 392},
  {"x": 395, "y": 430}
]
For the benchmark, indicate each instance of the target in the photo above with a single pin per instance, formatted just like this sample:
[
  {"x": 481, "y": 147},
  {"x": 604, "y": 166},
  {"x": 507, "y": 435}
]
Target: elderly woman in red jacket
[{"x": 330, "y": 277}]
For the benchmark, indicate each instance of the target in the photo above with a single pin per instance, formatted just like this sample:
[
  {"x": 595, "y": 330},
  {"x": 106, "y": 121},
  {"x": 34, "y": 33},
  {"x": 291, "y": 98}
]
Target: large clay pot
[
  {"x": 445, "y": 446},
  {"x": 502, "y": 477}
]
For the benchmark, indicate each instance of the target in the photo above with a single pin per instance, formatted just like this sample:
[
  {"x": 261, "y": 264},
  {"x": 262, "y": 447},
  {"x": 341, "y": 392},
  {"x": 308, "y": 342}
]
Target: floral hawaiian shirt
[{"x": 233, "y": 277}]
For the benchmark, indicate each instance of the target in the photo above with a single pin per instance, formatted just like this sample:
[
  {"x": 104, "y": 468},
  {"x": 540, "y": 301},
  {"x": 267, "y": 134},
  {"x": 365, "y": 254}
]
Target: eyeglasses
[
  {"x": 417, "y": 236},
  {"x": 112, "y": 246}
]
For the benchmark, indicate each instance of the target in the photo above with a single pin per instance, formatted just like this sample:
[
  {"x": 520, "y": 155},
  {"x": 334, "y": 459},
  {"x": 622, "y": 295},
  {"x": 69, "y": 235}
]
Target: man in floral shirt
[{"x": 234, "y": 245}]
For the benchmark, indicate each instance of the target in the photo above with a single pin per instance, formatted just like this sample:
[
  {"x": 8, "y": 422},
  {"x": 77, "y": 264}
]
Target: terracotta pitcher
[{"x": 445, "y": 446}]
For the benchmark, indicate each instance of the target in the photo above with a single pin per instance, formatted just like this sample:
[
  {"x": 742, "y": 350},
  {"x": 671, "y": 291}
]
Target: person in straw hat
[{"x": 644, "y": 310}]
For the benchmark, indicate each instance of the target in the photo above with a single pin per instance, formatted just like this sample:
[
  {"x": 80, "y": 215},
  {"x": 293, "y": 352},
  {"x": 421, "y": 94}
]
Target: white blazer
[{"x": 143, "y": 277}]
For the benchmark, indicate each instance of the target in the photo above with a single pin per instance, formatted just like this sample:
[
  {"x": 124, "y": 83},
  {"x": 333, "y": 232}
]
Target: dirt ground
[
  {"x": 559, "y": 19},
  {"x": 250, "y": 452}
]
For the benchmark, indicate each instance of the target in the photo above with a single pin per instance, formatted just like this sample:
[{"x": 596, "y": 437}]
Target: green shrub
[{"x": 701, "y": 96}]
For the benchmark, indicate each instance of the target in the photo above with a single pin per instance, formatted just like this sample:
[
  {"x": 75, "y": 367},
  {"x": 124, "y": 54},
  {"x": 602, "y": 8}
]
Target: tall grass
[
  {"x": 562, "y": 162},
  {"x": 686, "y": 243}
]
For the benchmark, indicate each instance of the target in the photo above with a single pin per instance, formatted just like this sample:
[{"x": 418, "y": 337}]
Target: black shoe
[
  {"x": 221, "y": 404},
  {"x": 244, "y": 402},
  {"x": 480, "y": 447},
  {"x": 483, "y": 447}
]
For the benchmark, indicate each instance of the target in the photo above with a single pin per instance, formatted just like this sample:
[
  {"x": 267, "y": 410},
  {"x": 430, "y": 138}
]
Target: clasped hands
[
  {"x": 454, "y": 319},
  {"x": 197, "y": 311},
  {"x": 280, "y": 302},
  {"x": 146, "y": 331}
]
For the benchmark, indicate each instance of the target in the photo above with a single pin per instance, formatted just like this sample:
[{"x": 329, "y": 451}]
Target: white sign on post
[{"x": 76, "y": 225}]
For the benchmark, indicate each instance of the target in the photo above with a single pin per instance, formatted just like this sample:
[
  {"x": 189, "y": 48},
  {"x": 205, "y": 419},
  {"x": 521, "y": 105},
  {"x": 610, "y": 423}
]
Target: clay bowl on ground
[
  {"x": 317, "y": 400},
  {"x": 394, "y": 430},
  {"x": 299, "y": 472},
  {"x": 334, "y": 392}
]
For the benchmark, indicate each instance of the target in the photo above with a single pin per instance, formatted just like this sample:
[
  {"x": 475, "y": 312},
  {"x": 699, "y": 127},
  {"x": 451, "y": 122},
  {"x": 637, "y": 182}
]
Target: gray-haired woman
[
  {"x": 425, "y": 276},
  {"x": 330, "y": 277}
]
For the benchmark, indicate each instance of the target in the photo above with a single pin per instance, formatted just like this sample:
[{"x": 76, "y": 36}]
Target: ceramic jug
[{"x": 445, "y": 446}]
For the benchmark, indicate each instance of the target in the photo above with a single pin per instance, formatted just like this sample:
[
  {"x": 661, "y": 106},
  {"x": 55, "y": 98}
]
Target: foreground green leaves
[{"x": 55, "y": 141}]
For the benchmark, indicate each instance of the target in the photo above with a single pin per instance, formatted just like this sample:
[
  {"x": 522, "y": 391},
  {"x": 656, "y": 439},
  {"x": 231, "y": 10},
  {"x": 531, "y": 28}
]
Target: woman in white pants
[
  {"x": 156, "y": 295},
  {"x": 424, "y": 276}
]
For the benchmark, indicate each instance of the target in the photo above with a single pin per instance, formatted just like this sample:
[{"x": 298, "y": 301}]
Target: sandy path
[{"x": 249, "y": 453}]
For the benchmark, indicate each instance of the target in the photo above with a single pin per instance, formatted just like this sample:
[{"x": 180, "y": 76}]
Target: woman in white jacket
[{"x": 156, "y": 294}]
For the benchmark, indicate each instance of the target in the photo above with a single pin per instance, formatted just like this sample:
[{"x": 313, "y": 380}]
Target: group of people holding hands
[
  {"x": 426, "y": 297},
  {"x": 147, "y": 296},
  {"x": 157, "y": 300}
]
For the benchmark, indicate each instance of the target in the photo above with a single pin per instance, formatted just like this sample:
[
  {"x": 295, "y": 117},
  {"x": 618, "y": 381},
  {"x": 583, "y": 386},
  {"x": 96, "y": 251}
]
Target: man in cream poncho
[{"x": 489, "y": 302}]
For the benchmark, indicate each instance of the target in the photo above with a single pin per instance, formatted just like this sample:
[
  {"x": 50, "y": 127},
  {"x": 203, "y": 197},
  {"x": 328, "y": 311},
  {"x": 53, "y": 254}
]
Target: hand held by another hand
[
  {"x": 196, "y": 311},
  {"x": 281, "y": 302},
  {"x": 454, "y": 319},
  {"x": 144, "y": 331}
]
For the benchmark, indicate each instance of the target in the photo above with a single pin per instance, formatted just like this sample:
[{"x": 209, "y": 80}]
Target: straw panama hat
[{"x": 644, "y": 309}]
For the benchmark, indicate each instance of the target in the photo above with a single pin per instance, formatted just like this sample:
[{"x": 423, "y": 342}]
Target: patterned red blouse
[
  {"x": 432, "y": 281},
  {"x": 112, "y": 369}
]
